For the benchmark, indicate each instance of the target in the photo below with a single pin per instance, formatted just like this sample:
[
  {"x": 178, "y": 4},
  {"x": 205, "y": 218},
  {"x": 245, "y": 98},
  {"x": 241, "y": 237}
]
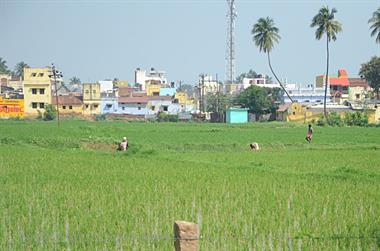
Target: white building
[{"x": 142, "y": 77}]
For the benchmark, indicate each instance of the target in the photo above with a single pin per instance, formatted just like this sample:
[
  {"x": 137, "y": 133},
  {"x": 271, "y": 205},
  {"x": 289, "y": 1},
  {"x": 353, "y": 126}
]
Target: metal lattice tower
[{"x": 230, "y": 45}]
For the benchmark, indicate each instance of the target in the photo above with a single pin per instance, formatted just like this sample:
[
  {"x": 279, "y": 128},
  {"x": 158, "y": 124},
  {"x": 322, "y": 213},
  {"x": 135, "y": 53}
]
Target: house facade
[
  {"x": 37, "y": 90},
  {"x": 91, "y": 99}
]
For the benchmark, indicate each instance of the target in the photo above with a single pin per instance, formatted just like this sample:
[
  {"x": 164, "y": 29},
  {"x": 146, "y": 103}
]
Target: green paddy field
[{"x": 68, "y": 189}]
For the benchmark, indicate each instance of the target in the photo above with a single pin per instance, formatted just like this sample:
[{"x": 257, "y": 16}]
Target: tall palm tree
[
  {"x": 3, "y": 67},
  {"x": 265, "y": 35},
  {"x": 325, "y": 23},
  {"x": 75, "y": 81},
  {"x": 19, "y": 69},
  {"x": 375, "y": 25}
]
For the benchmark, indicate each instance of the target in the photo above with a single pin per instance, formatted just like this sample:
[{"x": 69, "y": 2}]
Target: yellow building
[
  {"x": 11, "y": 108},
  {"x": 91, "y": 99},
  {"x": 37, "y": 90},
  {"x": 152, "y": 88},
  {"x": 231, "y": 88},
  {"x": 183, "y": 98},
  {"x": 120, "y": 83},
  {"x": 69, "y": 104}
]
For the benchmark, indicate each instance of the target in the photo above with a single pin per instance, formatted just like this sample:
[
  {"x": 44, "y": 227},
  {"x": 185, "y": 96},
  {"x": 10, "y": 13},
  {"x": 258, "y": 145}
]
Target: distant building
[
  {"x": 69, "y": 103},
  {"x": 307, "y": 94},
  {"x": 133, "y": 105},
  {"x": 91, "y": 99},
  {"x": 167, "y": 91},
  {"x": 142, "y": 77},
  {"x": 338, "y": 86},
  {"x": 37, "y": 89},
  {"x": 358, "y": 89}
]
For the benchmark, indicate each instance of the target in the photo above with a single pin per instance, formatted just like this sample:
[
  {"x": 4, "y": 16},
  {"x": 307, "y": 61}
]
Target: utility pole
[{"x": 56, "y": 74}]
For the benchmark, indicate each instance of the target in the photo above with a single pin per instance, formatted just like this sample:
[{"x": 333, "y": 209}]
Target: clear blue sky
[{"x": 95, "y": 40}]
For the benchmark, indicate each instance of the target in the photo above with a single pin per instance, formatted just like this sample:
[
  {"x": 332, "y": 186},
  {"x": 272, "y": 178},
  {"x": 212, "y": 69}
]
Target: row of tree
[
  {"x": 18, "y": 69},
  {"x": 266, "y": 34}
]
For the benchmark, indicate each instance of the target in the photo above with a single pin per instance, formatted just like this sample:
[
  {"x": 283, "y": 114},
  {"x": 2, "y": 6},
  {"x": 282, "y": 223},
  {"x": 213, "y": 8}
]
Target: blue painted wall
[
  {"x": 167, "y": 91},
  {"x": 237, "y": 115}
]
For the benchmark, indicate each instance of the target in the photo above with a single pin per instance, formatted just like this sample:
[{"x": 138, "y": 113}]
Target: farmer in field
[
  {"x": 254, "y": 146},
  {"x": 309, "y": 135},
  {"x": 123, "y": 146}
]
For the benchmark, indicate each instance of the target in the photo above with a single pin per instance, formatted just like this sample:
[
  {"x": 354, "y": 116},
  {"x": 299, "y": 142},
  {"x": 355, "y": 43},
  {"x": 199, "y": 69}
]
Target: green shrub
[
  {"x": 163, "y": 117},
  {"x": 100, "y": 117},
  {"x": 50, "y": 113},
  {"x": 356, "y": 119},
  {"x": 334, "y": 119},
  {"x": 321, "y": 121}
]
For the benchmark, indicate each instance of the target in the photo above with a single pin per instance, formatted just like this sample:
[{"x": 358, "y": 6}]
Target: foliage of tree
[
  {"x": 375, "y": 25},
  {"x": 74, "y": 81},
  {"x": 265, "y": 35},
  {"x": 188, "y": 89},
  {"x": 50, "y": 112},
  {"x": 259, "y": 100},
  {"x": 326, "y": 24},
  {"x": 19, "y": 69},
  {"x": 250, "y": 74},
  {"x": 218, "y": 102},
  {"x": 370, "y": 71},
  {"x": 3, "y": 67}
]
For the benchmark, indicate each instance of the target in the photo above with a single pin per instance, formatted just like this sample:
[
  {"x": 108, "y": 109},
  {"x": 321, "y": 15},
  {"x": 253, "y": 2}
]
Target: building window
[
  {"x": 87, "y": 92},
  {"x": 294, "y": 113},
  {"x": 357, "y": 96},
  {"x": 123, "y": 108},
  {"x": 95, "y": 106},
  {"x": 34, "y": 74},
  {"x": 335, "y": 88},
  {"x": 165, "y": 108},
  {"x": 42, "y": 91},
  {"x": 86, "y": 106},
  {"x": 34, "y": 105},
  {"x": 345, "y": 88},
  {"x": 109, "y": 105},
  {"x": 40, "y": 74},
  {"x": 34, "y": 91},
  {"x": 153, "y": 108},
  {"x": 93, "y": 91},
  {"x": 42, "y": 105},
  {"x": 70, "y": 107},
  {"x": 64, "y": 107}
]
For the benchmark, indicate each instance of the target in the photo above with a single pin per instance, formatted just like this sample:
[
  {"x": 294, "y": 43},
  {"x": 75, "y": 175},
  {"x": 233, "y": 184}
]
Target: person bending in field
[
  {"x": 309, "y": 135},
  {"x": 254, "y": 146},
  {"x": 123, "y": 146}
]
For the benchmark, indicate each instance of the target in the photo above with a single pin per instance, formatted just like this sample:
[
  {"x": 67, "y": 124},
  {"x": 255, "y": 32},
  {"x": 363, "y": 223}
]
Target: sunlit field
[{"x": 68, "y": 188}]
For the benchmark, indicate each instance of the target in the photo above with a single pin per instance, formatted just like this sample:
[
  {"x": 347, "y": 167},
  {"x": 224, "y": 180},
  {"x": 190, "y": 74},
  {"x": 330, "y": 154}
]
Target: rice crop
[{"x": 68, "y": 188}]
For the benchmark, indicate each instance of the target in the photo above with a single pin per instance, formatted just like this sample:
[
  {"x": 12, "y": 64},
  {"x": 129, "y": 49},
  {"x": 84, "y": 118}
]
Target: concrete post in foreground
[{"x": 186, "y": 236}]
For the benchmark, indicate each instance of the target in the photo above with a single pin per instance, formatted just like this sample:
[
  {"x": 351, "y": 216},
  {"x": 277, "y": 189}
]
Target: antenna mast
[{"x": 230, "y": 45}]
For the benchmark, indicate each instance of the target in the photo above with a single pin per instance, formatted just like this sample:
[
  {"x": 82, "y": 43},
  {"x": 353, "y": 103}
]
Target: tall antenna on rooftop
[{"x": 230, "y": 45}]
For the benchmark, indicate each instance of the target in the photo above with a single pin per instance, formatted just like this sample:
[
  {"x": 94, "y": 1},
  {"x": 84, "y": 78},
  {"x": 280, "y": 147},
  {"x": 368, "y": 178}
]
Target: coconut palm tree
[
  {"x": 19, "y": 69},
  {"x": 375, "y": 25},
  {"x": 326, "y": 24},
  {"x": 265, "y": 35},
  {"x": 75, "y": 81},
  {"x": 3, "y": 67}
]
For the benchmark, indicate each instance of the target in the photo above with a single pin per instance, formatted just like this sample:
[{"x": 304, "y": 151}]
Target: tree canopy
[
  {"x": 370, "y": 71},
  {"x": 19, "y": 69},
  {"x": 375, "y": 25},
  {"x": 260, "y": 100},
  {"x": 218, "y": 102},
  {"x": 3, "y": 67}
]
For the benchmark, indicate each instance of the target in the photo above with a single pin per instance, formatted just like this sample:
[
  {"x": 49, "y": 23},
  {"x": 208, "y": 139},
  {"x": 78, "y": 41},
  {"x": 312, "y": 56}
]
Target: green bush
[
  {"x": 321, "y": 121},
  {"x": 100, "y": 117},
  {"x": 334, "y": 119},
  {"x": 50, "y": 113},
  {"x": 356, "y": 119},
  {"x": 163, "y": 117}
]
